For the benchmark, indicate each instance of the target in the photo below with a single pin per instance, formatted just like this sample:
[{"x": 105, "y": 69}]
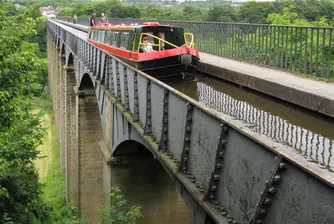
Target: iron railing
[{"x": 299, "y": 49}]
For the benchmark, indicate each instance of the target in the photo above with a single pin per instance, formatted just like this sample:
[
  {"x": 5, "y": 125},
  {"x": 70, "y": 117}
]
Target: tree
[{"x": 117, "y": 213}]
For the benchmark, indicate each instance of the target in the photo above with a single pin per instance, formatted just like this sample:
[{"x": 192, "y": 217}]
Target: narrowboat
[{"x": 162, "y": 51}]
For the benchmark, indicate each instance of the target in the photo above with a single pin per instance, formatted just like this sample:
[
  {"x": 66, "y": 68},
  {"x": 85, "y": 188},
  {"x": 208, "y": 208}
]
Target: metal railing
[{"x": 300, "y": 49}]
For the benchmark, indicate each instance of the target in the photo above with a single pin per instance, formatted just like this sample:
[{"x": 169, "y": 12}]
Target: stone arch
[
  {"x": 131, "y": 147},
  {"x": 86, "y": 82},
  {"x": 70, "y": 61},
  {"x": 62, "y": 50}
]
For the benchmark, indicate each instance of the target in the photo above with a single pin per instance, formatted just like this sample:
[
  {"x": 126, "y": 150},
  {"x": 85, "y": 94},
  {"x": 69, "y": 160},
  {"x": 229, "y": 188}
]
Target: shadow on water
[
  {"x": 145, "y": 183},
  {"x": 309, "y": 133}
]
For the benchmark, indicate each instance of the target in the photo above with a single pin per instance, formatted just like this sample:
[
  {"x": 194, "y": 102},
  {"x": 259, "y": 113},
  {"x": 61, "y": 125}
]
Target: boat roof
[{"x": 129, "y": 26}]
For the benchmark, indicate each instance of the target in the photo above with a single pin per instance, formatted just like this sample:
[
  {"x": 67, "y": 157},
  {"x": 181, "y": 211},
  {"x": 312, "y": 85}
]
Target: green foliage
[
  {"x": 224, "y": 13},
  {"x": 117, "y": 213},
  {"x": 20, "y": 132}
]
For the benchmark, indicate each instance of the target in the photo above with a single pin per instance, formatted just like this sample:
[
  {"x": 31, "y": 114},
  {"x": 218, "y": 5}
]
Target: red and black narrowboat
[{"x": 168, "y": 52}]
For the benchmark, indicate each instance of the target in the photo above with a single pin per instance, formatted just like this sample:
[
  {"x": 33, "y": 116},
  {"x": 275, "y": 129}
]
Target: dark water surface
[
  {"x": 309, "y": 133},
  {"x": 145, "y": 183}
]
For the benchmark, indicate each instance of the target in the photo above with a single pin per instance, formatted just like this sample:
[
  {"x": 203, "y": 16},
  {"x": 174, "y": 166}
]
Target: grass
[{"x": 48, "y": 166}]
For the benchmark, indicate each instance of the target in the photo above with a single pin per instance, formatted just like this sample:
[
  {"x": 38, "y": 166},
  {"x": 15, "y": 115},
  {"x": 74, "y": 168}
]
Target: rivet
[
  {"x": 267, "y": 201},
  {"x": 235, "y": 222},
  {"x": 165, "y": 101},
  {"x": 282, "y": 166},
  {"x": 223, "y": 213},
  {"x": 189, "y": 118},
  {"x": 188, "y": 129},
  {"x": 197, "y": 185},
  {"x": 188, "y": 176},
  {"x": 185, "y": 160},
  {"x": 225, "y": 129},
  {"x": 148, "y": 98},
  {"x": 212, "y": 197},
  {"x": 219, "y": 166},
  {"x": 259, "y": 221},
  {"x": 165, "y": 138},
  {"x": 272, "y": 190},
  {"x": 215, "y": 202},
  {"x": 136, "y": 88},
  {"x": 202, "y": 190},
  {"x": 277, "y": 178},
  {"x": 216, "y": 177},
  {"x": 149, "y": 115},
  {"x": 166, "y": 92},
  {"x": 228, "y": 216},
  {"x": 165, "y": 130},
  {"x": 222, "y": 208},
  {"x": 187, "y": 140},
  {"x": 263, "y": 211},
  {"x": 217, "y": 206},
  {"x": 221, "y": 154},
  {"x": 184, "y": 170},
  {"x": 224, "y": 142},
  {"x": 188, "y": 172},
  {"x": 186, "y": 149},
  {"x": 165, "y": 121},
  {"x": 166, "y": 111},
  {"x": 193, "y": 180},
  {"x": 229, "y": 220},
  {"x": 214, "y": 188},
  {"x": 135, "y": 81}
]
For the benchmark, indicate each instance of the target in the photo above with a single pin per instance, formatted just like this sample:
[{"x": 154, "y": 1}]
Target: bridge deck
[{"x": 308, "y": 93}]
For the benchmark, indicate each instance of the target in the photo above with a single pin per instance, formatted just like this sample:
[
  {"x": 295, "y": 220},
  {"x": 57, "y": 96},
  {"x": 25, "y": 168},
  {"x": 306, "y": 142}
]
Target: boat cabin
[
  {"x": 170, "y": 47},
  {"x": 161, "y": 37}
]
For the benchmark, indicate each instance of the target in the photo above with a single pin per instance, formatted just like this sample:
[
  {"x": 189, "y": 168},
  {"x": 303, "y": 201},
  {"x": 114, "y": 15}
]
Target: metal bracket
[
  {"x": 136, "y": 101},
  {"x": 126, "y": 91},
  {"x": 269, "y": 191},
  {"x": 148, "y": 123},
  {"x": 164, "y": 132},
  {"x": 211, "y": 193},
  {"x": 118, "y": 81},
  {"x": 105, "y": 72},
  {"x": 111, "y": 76},
  {"x": 186, "y": 142}
]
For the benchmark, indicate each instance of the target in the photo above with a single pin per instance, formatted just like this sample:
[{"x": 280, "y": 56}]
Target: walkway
[{"x": 308, "y": 93}]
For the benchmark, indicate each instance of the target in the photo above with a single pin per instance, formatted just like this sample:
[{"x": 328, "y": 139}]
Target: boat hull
[{"x": 173, "y": 63}]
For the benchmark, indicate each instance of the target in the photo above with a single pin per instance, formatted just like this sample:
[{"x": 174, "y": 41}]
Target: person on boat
[
  {"x": 146, "y": 45},
  {"x": 68, "y": 19},
  {"x": 75, "y": 18},
  {"x": 92, "y": 19},
  {"x": 104, "y": 18}
]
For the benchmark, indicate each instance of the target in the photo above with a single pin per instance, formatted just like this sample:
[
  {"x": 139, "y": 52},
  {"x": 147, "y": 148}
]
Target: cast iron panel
[
  {"x": 245, "y": 170},
  {"x": 205, "y": 132},
  {"x": 301, "y": 198},
  {"x": 157, "y": 96},
  {"x": 142, "y": 85},
  {"x": 177, "y": 112}
]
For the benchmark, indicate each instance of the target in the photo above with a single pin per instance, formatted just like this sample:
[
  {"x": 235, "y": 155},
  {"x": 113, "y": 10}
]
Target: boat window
[
  {"x": 124, "y": 39},
  {"x": 92, "y": 36},
  {"x": 108, "y": 37},
  {"x": 101, "y": 36},
  {"x": 114, "y": 38}
]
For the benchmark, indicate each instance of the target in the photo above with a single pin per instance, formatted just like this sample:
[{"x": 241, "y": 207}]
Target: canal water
[
  {"x": 309, "y": 133},
  {"x": 145, "y": 183}
]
